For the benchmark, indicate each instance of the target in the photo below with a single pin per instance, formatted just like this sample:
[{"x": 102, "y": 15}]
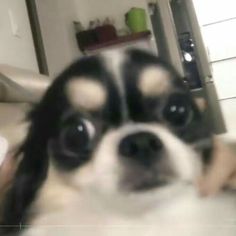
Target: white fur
[
  {"x": 113, "y": 61},
  {"x": 86, "y": 93},
  {"x": 154, "y": 81},
  {"x": 186, "y": 214}
]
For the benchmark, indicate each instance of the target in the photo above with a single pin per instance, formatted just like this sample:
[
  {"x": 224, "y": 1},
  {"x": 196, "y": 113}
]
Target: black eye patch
[
  {"x": 76, "y": 138},
  {"x": 178, "y": 111},
  {"x": 73, "y": 145}
]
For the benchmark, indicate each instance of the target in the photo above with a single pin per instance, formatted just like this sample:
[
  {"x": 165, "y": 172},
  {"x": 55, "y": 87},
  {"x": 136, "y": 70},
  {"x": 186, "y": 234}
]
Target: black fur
[
  {"x": 151, "y": 109},
  {"x": 45, "y": 124}
]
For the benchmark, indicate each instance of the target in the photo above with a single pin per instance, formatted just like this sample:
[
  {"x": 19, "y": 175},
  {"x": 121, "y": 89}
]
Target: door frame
[{"x": 37, "y": 36}]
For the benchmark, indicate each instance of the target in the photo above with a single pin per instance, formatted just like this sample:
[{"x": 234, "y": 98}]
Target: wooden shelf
[{"x": 119, "y": 40}]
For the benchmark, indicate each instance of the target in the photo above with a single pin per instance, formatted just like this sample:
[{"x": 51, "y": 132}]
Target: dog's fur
[{"x": 74, "y": 170}]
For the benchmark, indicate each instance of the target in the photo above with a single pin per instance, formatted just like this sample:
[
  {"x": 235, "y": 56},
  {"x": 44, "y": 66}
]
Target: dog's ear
[{"x": 32, "y": 169}]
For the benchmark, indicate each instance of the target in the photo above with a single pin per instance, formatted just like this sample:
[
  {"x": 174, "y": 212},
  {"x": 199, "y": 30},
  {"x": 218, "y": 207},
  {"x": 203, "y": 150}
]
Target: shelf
[{"x": 119, "y": 40}]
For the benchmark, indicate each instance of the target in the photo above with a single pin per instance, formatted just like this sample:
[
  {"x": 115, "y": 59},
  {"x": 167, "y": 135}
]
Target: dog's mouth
[
  {"x": 146, "y": 181},
  {"x": 146, "y": 185},
  {"x": 137, "y": 178}
]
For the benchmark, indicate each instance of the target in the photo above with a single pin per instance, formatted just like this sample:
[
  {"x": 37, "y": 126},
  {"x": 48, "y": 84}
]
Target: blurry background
[{"x": 196, "y": 36}]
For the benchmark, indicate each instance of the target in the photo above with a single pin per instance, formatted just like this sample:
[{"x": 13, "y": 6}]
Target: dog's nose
[{"x": 143, "y": 147}]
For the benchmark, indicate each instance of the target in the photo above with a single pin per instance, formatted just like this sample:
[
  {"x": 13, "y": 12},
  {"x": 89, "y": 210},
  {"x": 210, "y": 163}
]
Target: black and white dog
[{"x": 114, "y": 148}]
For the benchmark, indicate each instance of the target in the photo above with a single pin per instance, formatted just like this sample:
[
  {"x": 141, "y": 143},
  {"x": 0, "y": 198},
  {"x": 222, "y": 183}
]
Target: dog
[{"x": 114, "y": 147}]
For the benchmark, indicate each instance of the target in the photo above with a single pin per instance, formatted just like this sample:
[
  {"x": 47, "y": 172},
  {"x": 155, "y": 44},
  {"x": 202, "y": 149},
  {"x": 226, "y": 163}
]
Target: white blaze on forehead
[
  {"x": 154, "y": 81},
  {"x": 114, "y": 60},
  {"x": 86, "y": 93}
]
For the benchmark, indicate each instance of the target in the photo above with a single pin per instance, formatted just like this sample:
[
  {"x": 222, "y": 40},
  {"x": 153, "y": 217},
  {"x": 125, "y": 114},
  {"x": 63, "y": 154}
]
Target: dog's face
[
  {"x": 116, "y": 124},
  {"x": 130, "y": 126}
]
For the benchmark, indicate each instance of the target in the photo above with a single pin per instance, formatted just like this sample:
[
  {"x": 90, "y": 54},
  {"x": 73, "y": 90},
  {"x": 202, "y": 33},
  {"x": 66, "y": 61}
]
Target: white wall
[
  {"x": 210, "y": 11},
  {"x": 56, "y": 18},
  {"x": 16, "y": 50},
  {"x": 91, "y": 9},
  {"x": 56, "y": 21},
  {"x": 218, "y": 21}
]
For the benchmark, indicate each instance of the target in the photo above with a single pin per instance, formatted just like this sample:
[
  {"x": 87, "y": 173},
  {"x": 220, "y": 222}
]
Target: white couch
[{"x": 19, "y": 89}]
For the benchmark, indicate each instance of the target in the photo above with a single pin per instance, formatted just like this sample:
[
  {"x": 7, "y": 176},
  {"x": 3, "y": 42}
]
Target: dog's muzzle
[{"x": 144, "y": 157}]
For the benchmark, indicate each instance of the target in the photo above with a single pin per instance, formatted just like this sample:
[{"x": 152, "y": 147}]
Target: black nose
[{"x": 143, "y": 147}]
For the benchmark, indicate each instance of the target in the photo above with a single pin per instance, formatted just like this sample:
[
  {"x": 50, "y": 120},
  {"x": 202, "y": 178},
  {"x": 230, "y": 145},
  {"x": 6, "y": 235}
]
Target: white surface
[
  {"x": 56, "y": 21},
  {"x": 17, "y": 50},
  {"x": 214, "y": 10},
  {"x": 224, "y": 74},
  {"x": 3, "y": 149},
  {"x": 220, "y": 39},
  {"x": 229, "y": 111},
  {"x": 14, "y": 24}
]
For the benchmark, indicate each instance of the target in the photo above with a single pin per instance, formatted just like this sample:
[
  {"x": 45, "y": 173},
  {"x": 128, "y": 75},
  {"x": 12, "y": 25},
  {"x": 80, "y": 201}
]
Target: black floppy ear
[
  {"x": 44, "y": 119},
  {"x": 32, "y": 169}
]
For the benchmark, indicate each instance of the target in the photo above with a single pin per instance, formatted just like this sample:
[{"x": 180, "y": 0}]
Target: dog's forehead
[
  {"x": 150, "y": 77},
  {"x": 124, "y": 71}
]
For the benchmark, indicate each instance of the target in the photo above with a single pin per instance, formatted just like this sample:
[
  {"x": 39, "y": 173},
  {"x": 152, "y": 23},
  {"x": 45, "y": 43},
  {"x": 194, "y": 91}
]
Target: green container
[{"x": 136, "y": 20}]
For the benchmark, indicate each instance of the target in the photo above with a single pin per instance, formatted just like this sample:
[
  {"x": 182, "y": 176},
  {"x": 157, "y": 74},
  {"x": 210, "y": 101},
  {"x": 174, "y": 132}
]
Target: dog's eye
[
  {"x": 178, "y": 111},
  {"x": 77, "y": 136}
]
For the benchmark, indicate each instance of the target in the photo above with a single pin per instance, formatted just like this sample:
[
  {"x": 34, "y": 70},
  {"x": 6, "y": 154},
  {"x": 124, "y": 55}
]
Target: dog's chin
[
  {"x": 140, "y": 198},
  {"x": 134, "y": 188}
]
